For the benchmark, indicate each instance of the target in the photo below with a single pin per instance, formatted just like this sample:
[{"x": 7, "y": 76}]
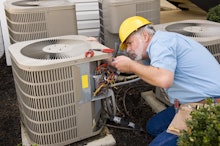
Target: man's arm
[{"x": 155, "y": 76}]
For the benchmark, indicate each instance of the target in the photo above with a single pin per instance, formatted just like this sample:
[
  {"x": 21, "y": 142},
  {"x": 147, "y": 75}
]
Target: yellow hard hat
[{"x": 130, "y": 25}]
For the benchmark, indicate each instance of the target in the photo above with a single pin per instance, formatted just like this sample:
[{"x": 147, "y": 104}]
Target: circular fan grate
[
  {"x": 195, "y": 29},
  {"x": 38, "y": 3},
  {"x": 55, "y": 49},
  {"x": 27, "y": 3}
]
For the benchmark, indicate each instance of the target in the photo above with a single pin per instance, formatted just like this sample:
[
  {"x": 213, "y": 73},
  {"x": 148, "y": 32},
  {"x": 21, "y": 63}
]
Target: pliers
[
  {"x": 89, "y": 53},
  {"x": 105, "y": 50}
]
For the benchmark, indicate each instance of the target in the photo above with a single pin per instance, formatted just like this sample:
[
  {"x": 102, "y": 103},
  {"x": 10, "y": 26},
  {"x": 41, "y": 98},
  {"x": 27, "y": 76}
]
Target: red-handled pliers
[
  {"x": 89, "y": 53},
  {"x": 105, "y": 50}
]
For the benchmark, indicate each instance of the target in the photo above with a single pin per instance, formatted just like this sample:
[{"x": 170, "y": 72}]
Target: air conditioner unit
[
  {"x": 204, "y": 31},
  {"x": 87, "y": 14},
  {"x": 36, "y": 19},
  {"x": 54, "y": 84},
  {"x": 114, "y": 12}
]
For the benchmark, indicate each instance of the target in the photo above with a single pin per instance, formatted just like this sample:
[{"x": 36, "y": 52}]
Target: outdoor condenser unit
[
  {"x": 54, "y": 85},
  {"x": 204, "y": 31},
  {"x": 114, "y": 12},
  {"x": 36, "y": 19}
]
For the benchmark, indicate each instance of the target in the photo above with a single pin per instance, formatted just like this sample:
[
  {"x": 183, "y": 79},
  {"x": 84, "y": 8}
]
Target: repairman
[{"x": 184, "y": 68}]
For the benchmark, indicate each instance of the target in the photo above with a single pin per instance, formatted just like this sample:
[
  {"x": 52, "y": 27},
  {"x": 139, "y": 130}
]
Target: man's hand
[
  {"x": 92, "y": 39},
  {"x": 122, "y": 64}
]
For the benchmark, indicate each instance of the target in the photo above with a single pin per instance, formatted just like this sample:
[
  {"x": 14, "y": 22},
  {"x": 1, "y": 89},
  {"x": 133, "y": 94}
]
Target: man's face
[{"x": 136, "y": 46}]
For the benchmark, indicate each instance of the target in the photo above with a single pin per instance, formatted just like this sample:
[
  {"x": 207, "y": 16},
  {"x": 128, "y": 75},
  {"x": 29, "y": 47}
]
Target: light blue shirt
[{"x": 196, "y": 71}]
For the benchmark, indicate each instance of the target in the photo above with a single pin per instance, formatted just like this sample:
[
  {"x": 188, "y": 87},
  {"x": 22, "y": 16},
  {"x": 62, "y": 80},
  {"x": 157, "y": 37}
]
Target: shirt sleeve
[{"x": 163, "y": 55}]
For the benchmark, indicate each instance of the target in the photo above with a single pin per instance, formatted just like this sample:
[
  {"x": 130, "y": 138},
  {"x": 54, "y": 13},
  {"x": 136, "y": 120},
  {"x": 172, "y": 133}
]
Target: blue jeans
[{"x": 158, "y": 125}]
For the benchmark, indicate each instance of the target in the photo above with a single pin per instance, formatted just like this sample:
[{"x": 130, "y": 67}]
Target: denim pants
[{"x": 157, "y": 126}]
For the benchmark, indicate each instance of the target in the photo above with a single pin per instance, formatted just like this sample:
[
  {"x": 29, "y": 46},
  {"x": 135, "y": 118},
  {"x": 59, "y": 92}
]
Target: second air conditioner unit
[
  {"x": 35, "y": 19},
  {"x": 114, "y": 12}
]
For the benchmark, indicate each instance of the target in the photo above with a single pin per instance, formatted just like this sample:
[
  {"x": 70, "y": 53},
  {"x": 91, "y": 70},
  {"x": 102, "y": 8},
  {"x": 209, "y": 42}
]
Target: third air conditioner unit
[{"x": 204, "y": 31}]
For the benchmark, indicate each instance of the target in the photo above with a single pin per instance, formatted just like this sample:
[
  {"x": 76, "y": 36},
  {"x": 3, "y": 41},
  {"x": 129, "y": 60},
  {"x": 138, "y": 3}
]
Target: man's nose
[{"x": 128, "y": 49}]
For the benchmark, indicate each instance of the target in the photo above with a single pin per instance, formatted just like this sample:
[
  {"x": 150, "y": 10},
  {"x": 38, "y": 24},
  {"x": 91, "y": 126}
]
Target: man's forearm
[{"x": 152, "y": 75}]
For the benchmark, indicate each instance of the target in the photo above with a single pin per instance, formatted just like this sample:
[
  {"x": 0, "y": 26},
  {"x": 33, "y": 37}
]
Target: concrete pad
[
  {"x": 24, "y": 136},
  {"x": 152, "y": 101},
  {"x": 107, "y": 140},
  {"x": 167, "y": 5},
  {"x": 178, "y": 15}
]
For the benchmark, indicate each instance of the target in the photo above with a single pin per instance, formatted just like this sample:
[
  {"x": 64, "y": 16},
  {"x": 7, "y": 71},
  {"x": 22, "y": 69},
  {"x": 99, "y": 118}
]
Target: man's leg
[
  {"x": 164, "y": 139},
  {"x": 157, "y": 126},
  {"x": 160, "y": 121}
]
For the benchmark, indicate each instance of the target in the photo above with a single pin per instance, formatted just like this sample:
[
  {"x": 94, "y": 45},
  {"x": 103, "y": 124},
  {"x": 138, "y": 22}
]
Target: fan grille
[
  {"x": 25, "y": 3},
  {"x": 55, "y": 49},
  {"x": 194, "y": 29}
]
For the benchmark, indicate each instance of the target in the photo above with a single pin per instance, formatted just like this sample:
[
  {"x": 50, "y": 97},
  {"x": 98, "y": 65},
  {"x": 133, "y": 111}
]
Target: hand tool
[
  {"x": 176, "y": 105},
  {"x": 89, "y": 53},
  {"x": 105, "y": 50}
]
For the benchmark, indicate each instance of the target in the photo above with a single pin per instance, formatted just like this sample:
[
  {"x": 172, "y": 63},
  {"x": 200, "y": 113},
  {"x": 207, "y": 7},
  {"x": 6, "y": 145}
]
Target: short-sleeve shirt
[{"x": 196, "y": 71}]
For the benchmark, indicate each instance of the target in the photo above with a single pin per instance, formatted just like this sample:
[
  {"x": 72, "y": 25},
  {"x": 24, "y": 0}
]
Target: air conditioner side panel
[
  {"x": 61, "y": 22},
  {"x": 88, "y": 112},
  {"x": 83, "y": 108}
]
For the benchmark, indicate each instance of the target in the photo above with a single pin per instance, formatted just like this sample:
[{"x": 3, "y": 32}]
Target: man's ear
[{"x": 146, "y": 36}]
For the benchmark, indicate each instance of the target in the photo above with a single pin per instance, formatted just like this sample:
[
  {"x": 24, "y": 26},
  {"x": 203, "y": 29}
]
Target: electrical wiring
[
  {"x": 123, "y": 128},
  {"x": 111, "y": 104},
  {"x": 124, "y": 97},
  {"x": 105, "y": 76},
  {"x": 125, "y": 82},
  {"x": 119, "y": 127},
  {"x": 108, "y": 79}
]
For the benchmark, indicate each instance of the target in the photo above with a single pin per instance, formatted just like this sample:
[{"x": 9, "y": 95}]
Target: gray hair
[{"x": 148, "y": 28}]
